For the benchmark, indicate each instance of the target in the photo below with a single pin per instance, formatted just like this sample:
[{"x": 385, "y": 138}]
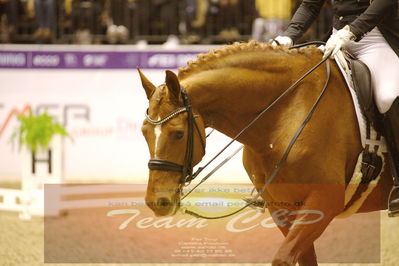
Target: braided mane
[{"x": 212, "y": 59}]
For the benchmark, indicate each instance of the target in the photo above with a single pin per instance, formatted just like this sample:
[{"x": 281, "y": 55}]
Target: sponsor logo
[
  {"x": 71, "y": 60},
  {"x": 63, "y": 113},
  {"x": 98, "y": 60},
  {"x": 14, "y": 112},
  {"x": 12, "y": 59},
  {"x": 169, "y": 60},
  {"x": 46, "y": 60}
]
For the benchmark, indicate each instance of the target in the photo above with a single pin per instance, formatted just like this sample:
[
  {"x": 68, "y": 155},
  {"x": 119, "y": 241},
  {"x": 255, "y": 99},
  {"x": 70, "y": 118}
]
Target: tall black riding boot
[{"x": 391, "y": 127}]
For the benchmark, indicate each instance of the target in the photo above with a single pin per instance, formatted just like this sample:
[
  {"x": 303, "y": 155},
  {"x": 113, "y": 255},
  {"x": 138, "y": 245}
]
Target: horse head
[{"x": 175, "y": 135}]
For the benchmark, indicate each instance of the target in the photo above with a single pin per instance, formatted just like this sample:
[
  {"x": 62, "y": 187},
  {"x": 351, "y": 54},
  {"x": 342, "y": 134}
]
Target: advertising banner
[{"x": 98, "y": 97}]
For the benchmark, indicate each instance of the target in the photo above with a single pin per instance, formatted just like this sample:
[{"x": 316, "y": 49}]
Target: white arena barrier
[
  {"x": 10, "y": 199},
  {"x": 45, "y": 166},
  {"x": 55, "y": 203}
]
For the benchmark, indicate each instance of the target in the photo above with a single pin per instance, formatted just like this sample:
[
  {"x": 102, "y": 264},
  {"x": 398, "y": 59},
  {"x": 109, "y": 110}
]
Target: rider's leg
[
  {"x": 391, "y": 127},
  {"x": 383, "y": 63}
]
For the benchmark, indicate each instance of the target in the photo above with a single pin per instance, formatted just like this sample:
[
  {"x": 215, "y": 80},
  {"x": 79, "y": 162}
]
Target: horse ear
[
  {"x": 173, "y": 84},
  {"x": 147, "y": 85}
]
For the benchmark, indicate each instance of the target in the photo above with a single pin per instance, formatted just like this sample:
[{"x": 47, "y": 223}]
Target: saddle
[
  {"x": 361, "y": 79},
  {"x": 358, "y": 78}
]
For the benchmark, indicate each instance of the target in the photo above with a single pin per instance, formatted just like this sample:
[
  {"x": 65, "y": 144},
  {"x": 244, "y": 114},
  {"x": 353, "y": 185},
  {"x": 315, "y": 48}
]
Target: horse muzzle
[{"x": 164, "y": 205}]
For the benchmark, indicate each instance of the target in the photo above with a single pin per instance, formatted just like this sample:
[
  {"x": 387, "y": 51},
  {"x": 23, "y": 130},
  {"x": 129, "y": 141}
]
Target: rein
[
  {"x": 293, "y": 86},
  {"x": 287, "y": 151}
]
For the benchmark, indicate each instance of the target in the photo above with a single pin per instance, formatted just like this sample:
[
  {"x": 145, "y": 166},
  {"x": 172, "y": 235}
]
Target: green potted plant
[
  {"x": 40, "y": 140},
  {"x": 36, "y": 132}
]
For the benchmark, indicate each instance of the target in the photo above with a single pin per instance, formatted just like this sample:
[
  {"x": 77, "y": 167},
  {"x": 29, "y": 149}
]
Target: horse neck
[{"x": 229, "y": 98}]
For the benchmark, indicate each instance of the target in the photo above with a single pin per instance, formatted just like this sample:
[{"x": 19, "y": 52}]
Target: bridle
[{"x": 186, "y": 169}]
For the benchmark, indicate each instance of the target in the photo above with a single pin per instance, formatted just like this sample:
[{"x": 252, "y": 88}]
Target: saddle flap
[
  {"x": 358, "y": 80},
  {"x": 362, "y": 85}
]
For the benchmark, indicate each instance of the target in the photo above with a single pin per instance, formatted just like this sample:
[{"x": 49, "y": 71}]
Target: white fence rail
[{"x": 16, "y": 200}]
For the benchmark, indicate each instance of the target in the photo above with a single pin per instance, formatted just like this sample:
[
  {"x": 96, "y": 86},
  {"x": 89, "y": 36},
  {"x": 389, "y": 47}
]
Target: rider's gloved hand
[
  {"x": 283, "y": 41},
  {"x": 340, "y": 39}
]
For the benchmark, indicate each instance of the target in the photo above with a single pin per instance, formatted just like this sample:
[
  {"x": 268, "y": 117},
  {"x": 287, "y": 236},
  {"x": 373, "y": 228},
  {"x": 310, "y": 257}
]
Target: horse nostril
[{"x": 164, "y": 202}]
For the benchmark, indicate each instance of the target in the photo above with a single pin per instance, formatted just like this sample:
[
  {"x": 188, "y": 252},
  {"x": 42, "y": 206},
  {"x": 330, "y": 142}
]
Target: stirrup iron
[{"x": 393, "y": 212}]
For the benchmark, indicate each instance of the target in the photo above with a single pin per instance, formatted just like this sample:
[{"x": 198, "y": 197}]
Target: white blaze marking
[{"x": 157, "y": 132}]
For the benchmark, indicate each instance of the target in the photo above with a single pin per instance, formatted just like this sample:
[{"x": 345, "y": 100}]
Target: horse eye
[{"x": 179, "y": 134}]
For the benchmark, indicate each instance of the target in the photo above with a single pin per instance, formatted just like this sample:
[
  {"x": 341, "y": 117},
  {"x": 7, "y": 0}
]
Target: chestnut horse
[{"x": 226, "y": 89}]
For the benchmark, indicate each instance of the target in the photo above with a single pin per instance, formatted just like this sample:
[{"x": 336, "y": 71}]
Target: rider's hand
[
  {"x": 340, "y": 39},
  {"x": 283, "y": 41}
]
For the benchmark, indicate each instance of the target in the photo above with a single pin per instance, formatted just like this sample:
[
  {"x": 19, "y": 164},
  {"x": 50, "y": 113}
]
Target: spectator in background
[
  {"x": 165, "y": 20},
  {"x": 44, "y": 15},
  {"x": 8, "y": 19},
  {"x": 68, "y": 7},
  {"x": 195, "y": 19},
  {"x": 86, "y": 20},
  {"x": 115, "y": 16},
  {"x": 273, "y": 18},
  {"x": 229, "y": 19}
]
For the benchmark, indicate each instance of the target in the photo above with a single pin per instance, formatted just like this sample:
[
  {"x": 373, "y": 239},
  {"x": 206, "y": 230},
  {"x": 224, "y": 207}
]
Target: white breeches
[{"x": 383, "y": 63}]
